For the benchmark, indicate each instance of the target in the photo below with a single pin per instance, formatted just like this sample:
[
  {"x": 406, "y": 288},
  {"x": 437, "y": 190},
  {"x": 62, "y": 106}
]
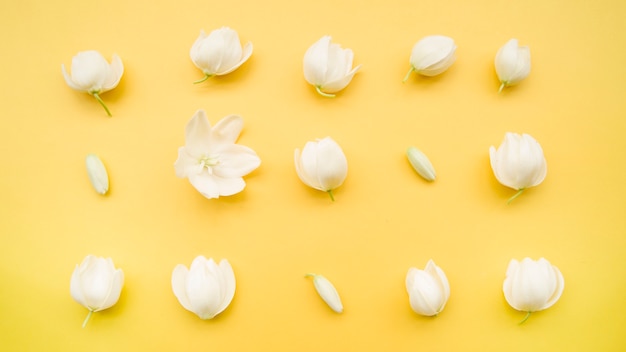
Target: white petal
[
  {"x": 332, "y": 166},
  {"x": 115, "y": 290},
  {"x": 236, "y": 161},
  {"x": 114, "y": 73},
  {"x": 227, "y": 284},
  {"x": 306, "y": 166},
  {"x": 327, "y": 292},
  {"x": 202, "y": 289},
  {"x": 198, "y": 134},
  {"x": 247, "y": 52},
  {"x": 421, "y": 164},
  {"x": 316, "y": 62},
  {"x": 70, "y": 82},
  {"x": 76, "y": 289},
  {"x": 89, "y": 70},
  {"x": 206, "y": 184},
  {"x": 179, "y": 286},
  {"x": 97, "y": 173},
  {"x": 227, "y": 130}
]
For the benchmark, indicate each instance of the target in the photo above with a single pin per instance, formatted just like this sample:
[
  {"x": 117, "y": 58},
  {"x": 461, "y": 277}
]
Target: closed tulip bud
[
  {"x": 428, "y": 289},
  {"x": 512, "y": 63},
  {"x": 97, "y": 173},
  {"x": 328, "y": 67},
  {"x": 518, "y": 163},
  {"x": 322, "y": 165},
  {"x": 421, "y": 164},
  {"x": 206, "y": 288},
  {"x": 219, "y": 53},
  {"x": 532, "y": 285},
  {"x": 96, "y": 284},
  {"x": 91, "y": 73},
  {"x": 327, "y": 291},
  {"x": 432, "y": 55}
]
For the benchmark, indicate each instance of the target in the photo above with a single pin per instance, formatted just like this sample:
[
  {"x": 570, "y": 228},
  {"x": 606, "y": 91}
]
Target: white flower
[
  {"x": 432, "y": 55},
  {"x": 91, "y": 73},
  {"x": 328, "y": 67},
  {"x": 428, "y": 289},
  {"x": 327, "y": 291},
  {"x": 512, "y": 63},
  {"x": 421, "y": 164},
  {"x": 321, "y": 165},
  {"x": 205, "y": 289},
  {"x": 219, "y": 53},
  {"x": 96, "y": 284},
  {"x": 519, "y": 162},
  {"x": 532, "y": 285},
  {"x": 97, "y": 173},
  {"x": 210, "y": 158}
]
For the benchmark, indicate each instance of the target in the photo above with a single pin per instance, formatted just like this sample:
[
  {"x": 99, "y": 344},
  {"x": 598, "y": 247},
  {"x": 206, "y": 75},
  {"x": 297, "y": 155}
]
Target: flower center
[{"x": 208, "y": 161}]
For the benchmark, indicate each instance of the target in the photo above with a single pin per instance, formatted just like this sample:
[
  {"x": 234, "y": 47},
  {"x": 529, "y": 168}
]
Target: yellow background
[{"x": 385, "y": 218}]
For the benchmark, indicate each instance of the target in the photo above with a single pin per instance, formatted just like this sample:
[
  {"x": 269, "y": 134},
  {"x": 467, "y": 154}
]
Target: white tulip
[
  {"x": 219, "y": 53},
  {"x": 211, "y": 160},
  {"x": 322, "y": 165},
  {"x": 428, "y": 289},
  {"x": 512, "y": 63},
  {"x": 97, "y": 173},
  {"x": 432, "y": 55},
  {"x": 518, "y": 163},
  {"x": 205, "y": 289},
  {"x": 328, "y": 67},
  {"x": 91, "y": 73},
  {"x": 96, "y": 284},
  {"x": 421, "y": 164},
  {"x": 327, "y": 291},
  {"x": 532, "y": 285}
]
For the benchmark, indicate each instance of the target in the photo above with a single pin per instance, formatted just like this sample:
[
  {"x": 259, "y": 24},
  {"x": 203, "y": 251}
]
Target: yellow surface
[{"x": 385, "y": 218}]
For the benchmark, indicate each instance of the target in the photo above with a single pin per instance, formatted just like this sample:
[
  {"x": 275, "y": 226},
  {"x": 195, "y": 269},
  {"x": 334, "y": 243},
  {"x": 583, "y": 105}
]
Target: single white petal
[
  {"x": 229, "y": 186},
  {"x": 179, "y": 286},
  {"x": 316, "y": 62},
  {"x": 115, "y": 290},
  {"x": 420, "y": 163},
  {"x": 76, "y": 289},
  {"x": 340, "y": 83},
  {"x": 198, "y": 134},
  {"x": 332, "y": 166},
  {"x": 114, "y": 73},
  {"x": 236, "y": 161},
  {"x": 227, "y": 130},
  {"x": 206, "y": 184},
  {"x": 227, "y": 284},
  {"x": 202, "y": 289},
  {"x": 70, "y": 82},
  {"x": 558, "y": 289},
  {"x": 306, "y": 166},
  {"x": 247, "y": 52},
  {"x": 185, "y": 163}
]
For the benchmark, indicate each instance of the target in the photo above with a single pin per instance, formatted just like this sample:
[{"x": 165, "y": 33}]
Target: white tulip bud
[
  {"x": 432, "y": 55},
  {"x": 97, "y": 173},
  {"x": 421, "y": 164},
  {"x": 328, "y": 67},
  {"x": 428, "y": 289},
  {"x": 91, "y": 73},
  {"x": 327, "y": 291},
  {"x": 518, "y": 162},
  {"x": 512, "y": 63},
  {"x": 219, "y": 53},
  {"x": 206, "y": 288},
  {"x": 322, "y": 165},
  {"x": 532, "y": 285},
  {"x": 96, "y": 284}
]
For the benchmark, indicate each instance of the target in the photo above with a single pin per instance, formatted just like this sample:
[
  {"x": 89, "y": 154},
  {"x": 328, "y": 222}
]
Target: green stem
[
  {"x": 408, "y": 74},
  {"x": 525, "y": 318},
  {"x": 97, "y": 96},
  {"x": 206, "y": 76},
  {"x": 501, "y": 87},
  {"x": 515, "y": 195},
  {"x": 330, "y": 193},
  {"x": 87, "y": 318},
  {"x": 327, "y": 95}
]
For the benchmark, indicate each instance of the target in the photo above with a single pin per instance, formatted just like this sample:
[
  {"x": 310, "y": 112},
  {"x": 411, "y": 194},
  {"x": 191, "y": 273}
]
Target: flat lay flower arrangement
[{"x": 215, "y": 165}]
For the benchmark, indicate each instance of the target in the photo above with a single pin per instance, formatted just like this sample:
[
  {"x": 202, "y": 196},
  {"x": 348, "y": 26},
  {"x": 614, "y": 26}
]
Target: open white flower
[
  {"x": 206, "y": 288},
  {"x": 91, "y": 73},
  {"x": 432, "y": 55},
  {"x": 519, "y": 162},
  {"x": 328, "y": 67},
  {"x": 211, "y": 160},
  {"x": 428, "y": 289},
  {"x": 322, "y": 165},
  {"x": 96, "y": 284},
  {"x": 219, "y": 53},
  {"x": 512, "y": 63},
  {"x": 532, "y": 285}
]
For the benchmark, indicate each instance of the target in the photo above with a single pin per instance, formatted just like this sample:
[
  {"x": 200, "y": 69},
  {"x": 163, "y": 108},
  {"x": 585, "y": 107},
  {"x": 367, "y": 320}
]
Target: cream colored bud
[
  {"x": 327, "y": 291},
  {"x": 97, "y": 174},
  {"x": 421, "y": 164}
]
